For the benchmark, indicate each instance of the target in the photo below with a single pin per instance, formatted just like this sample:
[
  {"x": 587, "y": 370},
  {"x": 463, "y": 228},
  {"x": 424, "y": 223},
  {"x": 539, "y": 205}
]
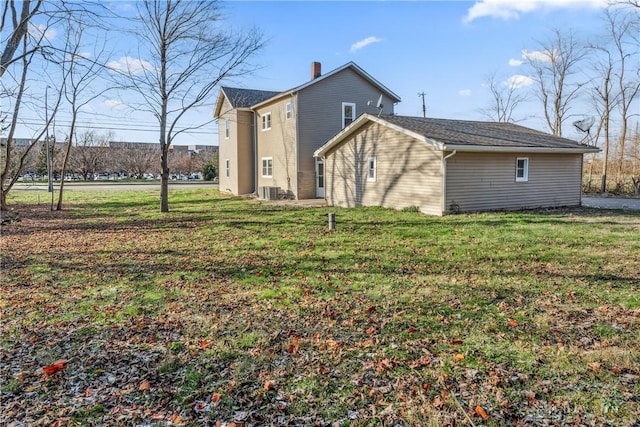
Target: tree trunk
[{"x": 65, "y": 162}]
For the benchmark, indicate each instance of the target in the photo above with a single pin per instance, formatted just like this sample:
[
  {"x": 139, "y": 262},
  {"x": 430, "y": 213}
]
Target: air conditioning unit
[{"x": 268, "y": 193}]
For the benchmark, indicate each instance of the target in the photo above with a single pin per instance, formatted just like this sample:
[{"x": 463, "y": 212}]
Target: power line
[{"x": 118, "y": 128}]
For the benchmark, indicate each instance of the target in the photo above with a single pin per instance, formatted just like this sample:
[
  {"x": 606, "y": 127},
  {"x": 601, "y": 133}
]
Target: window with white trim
[
  {"x": 227, "y": 167},
  {"x": 348, "y": 113},
  {"x": 371, "y": 169},
  {"x": 266, "y": 121},
  {"x": 522, "y": 169},
  {"x": 226, "y": 128},
  {"x": 267, "y": 167},
  {"x": 287, "y": 110}
]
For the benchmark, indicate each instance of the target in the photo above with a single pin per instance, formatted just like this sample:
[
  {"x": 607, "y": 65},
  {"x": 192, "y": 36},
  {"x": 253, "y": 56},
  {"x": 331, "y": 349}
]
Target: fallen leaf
[
  {"x": 458, "y": 357},
  {"x": 411, "y": 329},
  {"x": 480, "y": 411},
  {"x": 595, "y": 366},
  {"x": 269, "y": 385},
  {"x": 513, "y": 323},
  {"x": 215, "y": 397},
  {"x": 455, "y": 342},
  {"x": 176, "y": 419},
  {"x": 144, "y": 386},
  {"x": 438, "y": 402},
  {"x": 56, "y": 366}
]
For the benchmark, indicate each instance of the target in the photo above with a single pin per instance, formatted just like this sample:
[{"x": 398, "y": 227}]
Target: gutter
[
  {"x": 498, "y": 149},
  {"x": 444, "y": 179}
]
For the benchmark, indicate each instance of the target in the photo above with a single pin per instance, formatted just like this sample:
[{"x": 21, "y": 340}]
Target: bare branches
[
  {"x": 554, "y": 68},
  {"x": 190, "y": 54},
  {"x": 505, "y": 99}
]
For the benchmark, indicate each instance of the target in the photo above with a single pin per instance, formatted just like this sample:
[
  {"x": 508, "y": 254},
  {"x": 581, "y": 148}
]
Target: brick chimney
[{"x": 316, "y": 70}]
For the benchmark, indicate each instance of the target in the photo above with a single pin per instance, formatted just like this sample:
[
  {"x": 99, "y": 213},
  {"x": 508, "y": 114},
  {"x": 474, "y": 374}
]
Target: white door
[{"x": 319, "y": 178}]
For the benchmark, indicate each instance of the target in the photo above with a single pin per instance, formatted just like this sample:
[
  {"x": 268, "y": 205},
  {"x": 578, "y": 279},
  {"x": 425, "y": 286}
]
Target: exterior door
[{"x": 319, "y": 178}]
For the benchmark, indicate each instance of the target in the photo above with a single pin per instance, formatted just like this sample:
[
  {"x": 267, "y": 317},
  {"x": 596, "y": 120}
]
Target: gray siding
[
  {"x": 408, "y": 172},
  {"x": 486, "y": 181},
  {"x": 320, "y": 118},
  {"x": 238, "y": 148}
]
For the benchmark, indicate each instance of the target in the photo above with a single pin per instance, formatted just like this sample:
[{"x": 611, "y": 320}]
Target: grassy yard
[{"x": 228, "y": 310}]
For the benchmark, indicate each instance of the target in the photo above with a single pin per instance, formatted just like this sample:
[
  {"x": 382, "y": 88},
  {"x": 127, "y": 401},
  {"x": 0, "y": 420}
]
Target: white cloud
[
  {"x": 87, "y": 108},
  {"x": 464, "y": 92},
  {"x": 512, "y": 9},
  {"x": 518, "y": 81},
  {"x": 41, "y": 31},
  {"x": 114, "y": 104},
  {"x": 538, "y": 55},
  {"x": 364, "y": 43},
  {"x": 515, "y": 62},
  {"x": 127, "y": 64}
]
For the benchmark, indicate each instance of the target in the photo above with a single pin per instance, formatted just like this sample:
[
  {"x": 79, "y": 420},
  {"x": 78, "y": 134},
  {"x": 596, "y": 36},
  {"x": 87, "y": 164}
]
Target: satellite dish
[
  {"x": 379, "y": 104},
  {"x": 585, "y": 124}
]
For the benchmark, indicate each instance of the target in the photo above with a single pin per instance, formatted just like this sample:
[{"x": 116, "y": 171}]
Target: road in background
[{"x": 107, "y": 186}]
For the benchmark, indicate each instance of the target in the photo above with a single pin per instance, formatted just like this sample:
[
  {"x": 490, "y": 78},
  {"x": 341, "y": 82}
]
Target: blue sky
[{"x": 443, "y": 48}]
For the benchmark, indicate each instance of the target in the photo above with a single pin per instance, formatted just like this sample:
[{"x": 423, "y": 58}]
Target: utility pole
[
  {"x": 46, "y": 140},
  {"x": 424, "y": 105}
]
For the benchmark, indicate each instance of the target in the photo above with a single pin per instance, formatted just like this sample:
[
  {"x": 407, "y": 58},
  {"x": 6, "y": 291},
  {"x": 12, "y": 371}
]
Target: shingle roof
[
  {"x": 465, "y": 135},
  {"x": 245, "y": 98},
  {"x": 464, "y": 132}
]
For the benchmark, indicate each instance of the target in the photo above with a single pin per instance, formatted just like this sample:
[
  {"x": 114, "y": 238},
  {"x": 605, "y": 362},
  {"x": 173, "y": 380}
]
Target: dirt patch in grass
[{"x": 227, "y": 310}]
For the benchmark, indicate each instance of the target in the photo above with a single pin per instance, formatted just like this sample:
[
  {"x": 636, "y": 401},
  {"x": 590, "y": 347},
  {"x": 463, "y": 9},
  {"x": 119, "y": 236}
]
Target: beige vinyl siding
[
  {"x": 245, "y": 166},
  {"x": 228, "y": 149},
  {"x": 487, "y": 181},
  {"x": 238, "y": 148},
  {"x": 408, "y": 172},
  {"x": 279, "y": 143},
  {"x": 320, "y": 118}
]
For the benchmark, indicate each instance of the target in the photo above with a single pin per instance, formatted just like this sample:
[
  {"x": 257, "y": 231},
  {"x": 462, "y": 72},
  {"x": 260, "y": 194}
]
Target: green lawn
[{"x": 227, "y": 309}]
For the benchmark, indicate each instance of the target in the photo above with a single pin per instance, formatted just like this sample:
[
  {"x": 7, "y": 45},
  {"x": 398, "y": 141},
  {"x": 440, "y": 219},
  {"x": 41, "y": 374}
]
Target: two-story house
[{"x": 267, "y": 139}]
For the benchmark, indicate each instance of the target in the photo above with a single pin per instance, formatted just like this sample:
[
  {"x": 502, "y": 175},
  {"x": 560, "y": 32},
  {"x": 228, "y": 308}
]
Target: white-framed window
[
  {"x": 267, "y": 167},
  {"x": 371, "y": 169},
  {"x": 266, "y": 121},
  {"x": 287, "y": 110},
  {"x": 348, "y": 113},
  {"x": 227, "y": 166},
  {"x": 226, "y": 128},
  {"x": 522, "y": 169}
]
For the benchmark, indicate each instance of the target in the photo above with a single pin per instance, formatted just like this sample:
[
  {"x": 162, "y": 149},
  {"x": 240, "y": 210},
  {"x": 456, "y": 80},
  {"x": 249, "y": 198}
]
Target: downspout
[
  {"x": 444, "y": 178},
  {"x": 255, "y": 153},
  {"x": 296, "y": 142}
]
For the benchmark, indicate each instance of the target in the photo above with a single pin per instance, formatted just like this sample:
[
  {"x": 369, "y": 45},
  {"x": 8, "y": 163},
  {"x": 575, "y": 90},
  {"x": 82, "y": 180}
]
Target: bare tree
[
  {"x": 138, "y": 159},
  {"x": 190, "y": 53},
  {"x": 554, "y": 68},
  {"x": 505, "y": 98},
  {"x": 80, "y": 74},
  {"x": 89, "y": 153},
  {"x": 16, "y": 25},
  {"x": 623, "y": 28}
]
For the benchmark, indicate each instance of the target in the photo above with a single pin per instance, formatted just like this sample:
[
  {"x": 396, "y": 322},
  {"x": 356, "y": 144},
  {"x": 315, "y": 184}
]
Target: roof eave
[{"x": 512, "y": 149}]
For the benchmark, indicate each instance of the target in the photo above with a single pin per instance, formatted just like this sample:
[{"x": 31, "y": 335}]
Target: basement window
[{"x": 522, "y": 169}]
